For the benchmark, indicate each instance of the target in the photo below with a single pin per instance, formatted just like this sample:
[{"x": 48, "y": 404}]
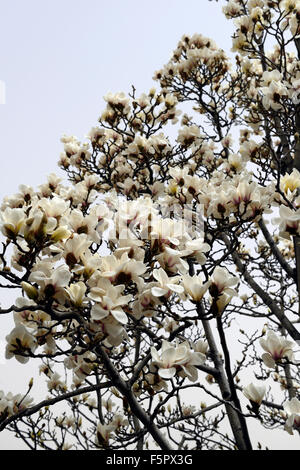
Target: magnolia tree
[{"x": 158, "y": 288}]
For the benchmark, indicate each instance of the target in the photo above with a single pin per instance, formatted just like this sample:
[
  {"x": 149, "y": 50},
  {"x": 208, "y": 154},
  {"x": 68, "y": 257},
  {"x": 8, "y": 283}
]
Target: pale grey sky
[{"x": 58, "y": 59}]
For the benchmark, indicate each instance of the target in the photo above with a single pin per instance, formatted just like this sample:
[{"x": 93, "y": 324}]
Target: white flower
[
  {"x": 220, "y": 289},
  {"x": 272, "y": 95},
  {"x": 55, "y": 382},
  {"x": 20, "y": 341},
  {"x": 288, "y": 222},
  {"x": 201, "y": 346},
  {"x": 177, "y": 358},
  {"x": 103, "y": 433},
  {"x": 121, "y": 270},
  {"x": 188, "y": 134},
  {"x": 222, "y": 281},
  {"x": 194, "y": 287},
  {"x": 11, "y": 404},
  {"x": 276, "y": 348},
  {"x": 109, "y": 301},
  {"x": 83, "y": 224},
  {"x": 119, "y": 100},
  {"x": 52, "y": 281},
  {"x": 166, "y": 286},
  {"x": 119, "y": 420},
  {"x": 290, "y": 181},
  {"x": 75, "y": 248},
  {"x": 12, "y": 220},
  {"x": 196, "y": 248},
  {"x": 255, "y": 392},
  {"x": 292, "y": 408},
  {"x": 76, "y": 293}
]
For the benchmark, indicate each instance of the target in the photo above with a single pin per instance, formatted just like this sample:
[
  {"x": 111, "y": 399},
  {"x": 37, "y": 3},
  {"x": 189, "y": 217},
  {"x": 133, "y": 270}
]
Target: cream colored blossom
[
  {"x": 20, "y": 341},
  {"x": 277, "y": 348},
  {"x": 255, "y": 392},
  {"x": 179, "y": 358},
  {"x": 165, "y": 285},
  {"x": 292, "y": 408},
  {"x": 194, "y": 287}
]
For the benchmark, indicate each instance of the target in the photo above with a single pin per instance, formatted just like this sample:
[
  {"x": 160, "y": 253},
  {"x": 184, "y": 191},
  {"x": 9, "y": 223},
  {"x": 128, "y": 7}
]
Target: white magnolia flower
[
  {"x": 75, "y": 248},
  {"x": 145, "y": 302},
  {"x": 12, "y": 220},
  {"x": 276, "y": 348},
  {"x": 119, "y": 420},
  {"x": 196, "y": 248},
  {"x": 38, "y": 225},
  {"x": 194, "y": 287},
  {"x": 180, "y": 357},
  {"x": 255, "y": 392},
  {"x": 201, "y": 346},
  {"x": 221, "y": 289},
  {"x": 54, "y": 207},
  {"x": 76, "y": 293},
  {"x": 222, "y": 281},
  {"x": 166, "y": 286},
  {"x": 121, "y": 270},
  {"x": 188, "y": 135},
  {"x": 290, "y": 181},
  {"x": 11, "y": 404},
  {"x": 83, "y": 224},
  {"x": 272, "y": 95},
  {"x": 103, "y": 433},
  {"x": 51, "y": 281},
  {"x": 109, "y": 301},
  {"x": 55, "y": 382},
  {"x": 19, "y": 341},
  {"x": 292, "y": 408},
  {"x": 288, "y": 222}
]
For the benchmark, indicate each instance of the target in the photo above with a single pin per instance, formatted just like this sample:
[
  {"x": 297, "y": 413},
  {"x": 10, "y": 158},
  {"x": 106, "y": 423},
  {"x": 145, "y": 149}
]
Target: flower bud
[{"x": 31, "y": 291}]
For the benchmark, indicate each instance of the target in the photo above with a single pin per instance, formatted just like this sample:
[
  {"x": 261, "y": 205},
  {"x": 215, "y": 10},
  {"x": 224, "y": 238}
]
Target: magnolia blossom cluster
[
  {"x": 131, "y": 254},
  {"x": 178, "y": 358},
  {"x": 57, "y": 243},
  {"x": 11, "y": 404},
  {"x": 105, "y": 431},
  {"x": 254, "y": 16},
  {"x": 197, "y": 54}
]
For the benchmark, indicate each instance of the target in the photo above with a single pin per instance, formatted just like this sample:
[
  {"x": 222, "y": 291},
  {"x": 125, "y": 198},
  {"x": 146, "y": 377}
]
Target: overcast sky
[{"x": 58, "y": 59}]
